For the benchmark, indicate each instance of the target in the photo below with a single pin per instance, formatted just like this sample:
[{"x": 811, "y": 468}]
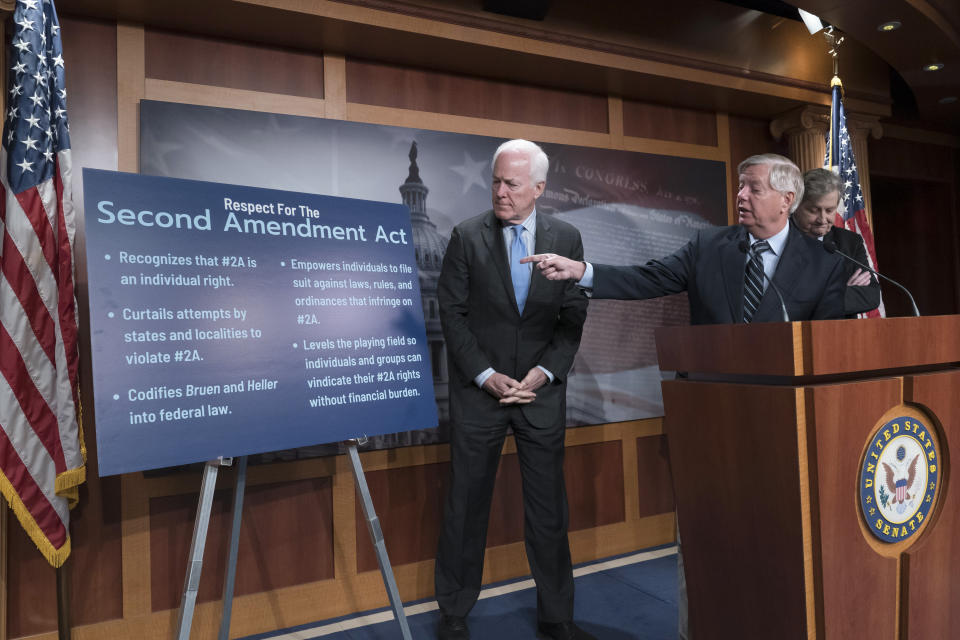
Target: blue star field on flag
[{"x": 35, "y": 128}]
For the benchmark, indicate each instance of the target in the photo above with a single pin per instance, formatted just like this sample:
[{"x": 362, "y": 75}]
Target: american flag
[
  {"x": 840, "y": 160},
  {"x": 41, "y": 445}
]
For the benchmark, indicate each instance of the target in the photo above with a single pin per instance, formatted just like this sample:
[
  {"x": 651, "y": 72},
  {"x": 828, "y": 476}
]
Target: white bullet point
[
  {"x": 106, "y": 257},
  {"x": 116, "y": 397},
  {"x": 110, "y": 315}
]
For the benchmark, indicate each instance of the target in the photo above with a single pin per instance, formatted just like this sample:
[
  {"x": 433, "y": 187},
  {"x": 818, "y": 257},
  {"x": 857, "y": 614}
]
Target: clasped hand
[{"x": 510, "y": 391}]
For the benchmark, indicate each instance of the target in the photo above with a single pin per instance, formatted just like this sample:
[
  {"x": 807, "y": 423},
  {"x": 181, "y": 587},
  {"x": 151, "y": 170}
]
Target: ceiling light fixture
[
  {"x": 947, "y": 100},
  {"x": 933, "y": 66},
  {"x": 812, "y": 22},
  {"x": 887, "y": 27}
]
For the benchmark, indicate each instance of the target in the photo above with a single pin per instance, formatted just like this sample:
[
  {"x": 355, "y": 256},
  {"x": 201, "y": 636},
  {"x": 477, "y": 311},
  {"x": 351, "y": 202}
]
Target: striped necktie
[{"x": 753, "y": 279}]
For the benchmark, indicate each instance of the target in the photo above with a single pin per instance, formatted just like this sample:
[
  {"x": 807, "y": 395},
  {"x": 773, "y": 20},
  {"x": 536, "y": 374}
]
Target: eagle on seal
[{"x": 898, "y": 487}]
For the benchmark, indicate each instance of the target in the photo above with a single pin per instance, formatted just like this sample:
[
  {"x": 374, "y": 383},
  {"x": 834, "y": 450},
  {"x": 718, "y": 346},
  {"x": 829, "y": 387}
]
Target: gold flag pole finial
[{"x": 834, "y": 41}]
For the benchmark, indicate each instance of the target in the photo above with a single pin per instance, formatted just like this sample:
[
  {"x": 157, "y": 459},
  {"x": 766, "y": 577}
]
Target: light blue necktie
[{"x": 519, "y": 273}]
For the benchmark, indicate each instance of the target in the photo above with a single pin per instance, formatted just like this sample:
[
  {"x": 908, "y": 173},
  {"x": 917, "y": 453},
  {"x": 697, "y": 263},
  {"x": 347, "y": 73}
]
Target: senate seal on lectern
[{"x": 899, "y": 476}]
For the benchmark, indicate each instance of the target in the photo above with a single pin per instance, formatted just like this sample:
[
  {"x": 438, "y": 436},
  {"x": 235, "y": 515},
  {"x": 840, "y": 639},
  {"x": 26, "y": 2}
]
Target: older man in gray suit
[{"x": 511, "y": 337}]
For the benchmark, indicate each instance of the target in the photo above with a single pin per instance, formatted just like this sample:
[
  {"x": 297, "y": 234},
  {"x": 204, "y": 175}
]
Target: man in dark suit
[
  {"x": 816, "y": 216},
  {"x": 511, "y": 337},
  {"x": 714, "y": 268},
  {"x": 720, "y": 269}
]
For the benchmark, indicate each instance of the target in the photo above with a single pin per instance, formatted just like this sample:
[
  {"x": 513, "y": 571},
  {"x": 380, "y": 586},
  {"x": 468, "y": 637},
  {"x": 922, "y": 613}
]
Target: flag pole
[
  {"x": 854, "y": 215},
  {"x": 4, "y": 512},
  {"x": 63, "y": 601},
  {"x": 834, "y": 41}
]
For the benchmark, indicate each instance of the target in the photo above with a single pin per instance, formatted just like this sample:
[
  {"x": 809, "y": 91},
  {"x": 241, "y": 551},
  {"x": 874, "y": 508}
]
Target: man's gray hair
[
  {"x": 539, "y": 163},
  {"x": 784, "y": 175},
  {"x": 822, "y": 182}
]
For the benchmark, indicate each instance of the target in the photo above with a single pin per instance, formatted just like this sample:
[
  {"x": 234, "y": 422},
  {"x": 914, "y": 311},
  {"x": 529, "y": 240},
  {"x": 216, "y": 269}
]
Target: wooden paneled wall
[
  {"x": 916, "y": 219},
  {"x": 305, "y": 554}
]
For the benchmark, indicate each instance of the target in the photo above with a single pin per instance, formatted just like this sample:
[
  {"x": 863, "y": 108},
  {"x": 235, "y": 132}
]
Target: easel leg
[
  {"x": 376, "y": 536},
  {"x": 195, "y": 561},
  {"x": 231, "y": 574}
]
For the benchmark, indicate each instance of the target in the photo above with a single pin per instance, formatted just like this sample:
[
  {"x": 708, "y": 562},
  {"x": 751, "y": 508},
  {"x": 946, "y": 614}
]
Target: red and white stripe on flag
[
  {"x": 42, "y": 456},
  {"x": 41, "y": 451}
]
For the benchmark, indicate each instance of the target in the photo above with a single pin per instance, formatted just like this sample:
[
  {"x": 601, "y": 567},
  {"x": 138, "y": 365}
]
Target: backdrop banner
[
  {"x": 630, "y": 207},
  {"x": 229, "y": 320}
]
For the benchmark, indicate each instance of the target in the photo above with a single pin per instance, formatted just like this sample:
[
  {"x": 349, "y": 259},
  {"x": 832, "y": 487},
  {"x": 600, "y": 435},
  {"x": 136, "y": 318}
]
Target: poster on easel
[{"x": 228, "y": 320}]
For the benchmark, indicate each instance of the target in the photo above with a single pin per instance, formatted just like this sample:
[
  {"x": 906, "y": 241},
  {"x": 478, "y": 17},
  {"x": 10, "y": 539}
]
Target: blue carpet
[{"x": 637, "y": 600}]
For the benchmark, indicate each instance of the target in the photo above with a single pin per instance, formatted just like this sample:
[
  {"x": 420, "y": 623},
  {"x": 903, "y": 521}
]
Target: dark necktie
[
  {"x": 753, "y": 279},
  {"x": 519, "y": 273}
]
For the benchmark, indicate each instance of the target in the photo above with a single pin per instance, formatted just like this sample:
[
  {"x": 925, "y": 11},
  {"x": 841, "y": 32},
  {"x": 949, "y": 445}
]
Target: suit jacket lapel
[
  {"x": 792, "y": 263},
  {"x": 493, "y": 238},
  {"x": 732, "y": 263},
  {"x": 544, "y": 244}
]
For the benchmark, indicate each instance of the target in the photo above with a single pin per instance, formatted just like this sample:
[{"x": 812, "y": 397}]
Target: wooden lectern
[{"x": 771, "y": 435}]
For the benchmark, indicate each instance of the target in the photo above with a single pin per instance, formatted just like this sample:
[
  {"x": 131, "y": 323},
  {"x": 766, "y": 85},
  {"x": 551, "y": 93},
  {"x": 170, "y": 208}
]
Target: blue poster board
[{"x": 228, "y": 320}]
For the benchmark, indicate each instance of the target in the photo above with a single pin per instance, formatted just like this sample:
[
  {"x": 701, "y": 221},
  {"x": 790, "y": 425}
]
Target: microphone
[
  {"x": 744, "y": 246},
  {"x": 831, "y": 246}
]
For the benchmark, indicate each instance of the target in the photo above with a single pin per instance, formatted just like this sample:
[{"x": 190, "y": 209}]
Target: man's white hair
[
  {"x": 539, "y": 163},
  {"x": 784, "y": 176}
]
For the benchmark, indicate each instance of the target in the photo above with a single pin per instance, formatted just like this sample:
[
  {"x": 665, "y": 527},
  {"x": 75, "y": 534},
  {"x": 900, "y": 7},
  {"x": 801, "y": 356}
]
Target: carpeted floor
[{"x": 630, "y": 597}]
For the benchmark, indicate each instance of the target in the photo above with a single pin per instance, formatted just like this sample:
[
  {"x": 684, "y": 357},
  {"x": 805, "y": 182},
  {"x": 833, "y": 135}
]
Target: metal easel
[{"x": 202, "y": 525}]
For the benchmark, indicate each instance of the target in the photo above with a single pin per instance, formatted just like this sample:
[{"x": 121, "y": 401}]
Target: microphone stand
[{"x": 831, "y": 247}]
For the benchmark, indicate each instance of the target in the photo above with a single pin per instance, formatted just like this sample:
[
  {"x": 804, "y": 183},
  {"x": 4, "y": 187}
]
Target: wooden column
[{"x": 806, "y": 130}]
